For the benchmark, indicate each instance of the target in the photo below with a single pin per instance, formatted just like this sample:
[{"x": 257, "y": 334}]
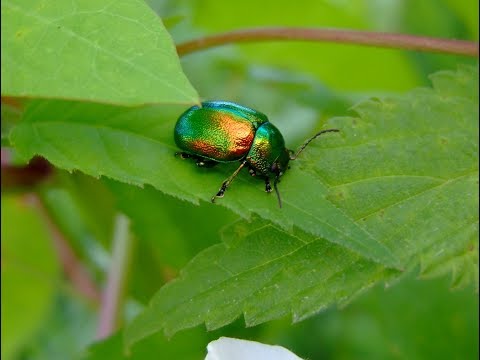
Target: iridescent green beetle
[{"x": 221, "y": 132}]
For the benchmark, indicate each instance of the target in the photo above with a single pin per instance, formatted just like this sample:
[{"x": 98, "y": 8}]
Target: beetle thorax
[{"x": 268, "y": 153}]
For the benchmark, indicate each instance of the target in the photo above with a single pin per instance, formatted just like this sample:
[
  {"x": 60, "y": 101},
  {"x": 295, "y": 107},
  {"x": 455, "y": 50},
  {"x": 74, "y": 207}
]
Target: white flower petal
[{"x": 237, "y": 349}]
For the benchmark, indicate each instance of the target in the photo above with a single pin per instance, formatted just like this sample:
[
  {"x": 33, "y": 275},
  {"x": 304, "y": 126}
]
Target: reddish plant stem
[
  {"x": 367, "y": 38},
  {"x": 72, "y": 266}
]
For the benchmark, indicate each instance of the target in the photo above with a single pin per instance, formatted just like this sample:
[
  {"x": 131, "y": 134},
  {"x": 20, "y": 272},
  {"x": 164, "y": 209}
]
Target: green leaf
[
  {"x": 262, "y": 272},
  {"x": 29, "y": 272},
  {"x": 412, "y": 172},
  {"x": 386, "y": 156},
  {"x": 101, "y": 51},
  {"x": 136, "y": 146},
  {"x": 418, "y": 195}
]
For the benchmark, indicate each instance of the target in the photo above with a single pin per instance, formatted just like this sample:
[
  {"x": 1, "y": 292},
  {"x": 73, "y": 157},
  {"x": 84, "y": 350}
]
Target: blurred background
[{"x": 56, "y": 243}]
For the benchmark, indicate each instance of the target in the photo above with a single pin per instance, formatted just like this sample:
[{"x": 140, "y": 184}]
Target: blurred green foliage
[
  {"x": 300, "y": 86},
  {"x": 30, "y": 272}
]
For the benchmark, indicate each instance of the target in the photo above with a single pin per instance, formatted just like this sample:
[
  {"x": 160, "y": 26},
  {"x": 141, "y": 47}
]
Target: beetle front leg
[
  {"x": 268, "y": 188},
  {"x": 222, "y": 190},
  {"x": 227, "y": 182}
]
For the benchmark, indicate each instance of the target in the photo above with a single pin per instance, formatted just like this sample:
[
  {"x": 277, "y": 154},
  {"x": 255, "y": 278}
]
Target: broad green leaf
[
  {"x": 262, "y": 272},
  {"x": 136, "y": 146},
  {"x": 418, "y": 194},
  {"x": 30, "y": 273},
  {"x": 381, "y": 159},
  {"x": 101, "y": 51}
]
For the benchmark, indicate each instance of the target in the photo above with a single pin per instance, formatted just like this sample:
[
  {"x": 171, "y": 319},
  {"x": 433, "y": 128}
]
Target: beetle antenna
[
  {"x": 277, "y": 192},
  {"x": 309, "y": 140}
]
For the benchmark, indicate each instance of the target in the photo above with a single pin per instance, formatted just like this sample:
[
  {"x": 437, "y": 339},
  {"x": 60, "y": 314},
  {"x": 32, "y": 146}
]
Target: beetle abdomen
[{"x": 217, "y": 133}]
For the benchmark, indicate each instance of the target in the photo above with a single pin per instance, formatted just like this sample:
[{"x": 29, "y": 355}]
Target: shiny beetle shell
[{"x": 221, "y": 131}]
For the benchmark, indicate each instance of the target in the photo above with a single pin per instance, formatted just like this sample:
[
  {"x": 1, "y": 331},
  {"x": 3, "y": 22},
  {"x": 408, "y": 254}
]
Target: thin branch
[
  {"x": 367, "y": 38},
  {"x": 113, "y": 294}
]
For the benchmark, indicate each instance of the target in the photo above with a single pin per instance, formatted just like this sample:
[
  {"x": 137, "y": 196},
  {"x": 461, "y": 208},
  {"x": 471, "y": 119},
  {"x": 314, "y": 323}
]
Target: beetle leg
[
  {"x": 183, "y": 155},
  {"x": 200, "y": 161},
  {"x": 268, "y": 188},
  {"x": 227, "y": 182},
  {"x": 206, "y": 163}
]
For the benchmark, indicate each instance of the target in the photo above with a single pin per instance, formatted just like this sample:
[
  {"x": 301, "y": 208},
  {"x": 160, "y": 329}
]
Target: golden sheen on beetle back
[{"x": 222, "y": 136}]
